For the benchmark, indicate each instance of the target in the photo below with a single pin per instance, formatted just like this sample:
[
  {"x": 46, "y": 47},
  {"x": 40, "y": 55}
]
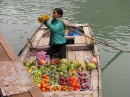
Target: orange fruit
[
  {"x": 44, "y": 75},
  {"x": 42, "y": 62},
  {"x": 43, "y": 89}
]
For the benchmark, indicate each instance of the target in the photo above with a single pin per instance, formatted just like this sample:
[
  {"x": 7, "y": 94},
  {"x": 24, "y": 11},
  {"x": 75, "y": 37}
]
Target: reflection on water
[{"x": 109, "y": 63}]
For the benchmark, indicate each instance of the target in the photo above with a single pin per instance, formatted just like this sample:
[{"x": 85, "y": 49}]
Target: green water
[{"x": 109, "y": 20}]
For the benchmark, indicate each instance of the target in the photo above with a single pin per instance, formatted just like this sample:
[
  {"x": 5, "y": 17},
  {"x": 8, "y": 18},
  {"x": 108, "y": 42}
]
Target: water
[{"x": 109, "y": 20}]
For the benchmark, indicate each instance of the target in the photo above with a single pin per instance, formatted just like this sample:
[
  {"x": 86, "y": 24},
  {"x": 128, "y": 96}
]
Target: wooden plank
[
  {"x": 44, "y": 41},
  {"x": 99, "y": 69},
  {"x": 80, "y": 40},
  {"x": 87, "y": 32},
  {"x": 73, "y": 47},
  {"x": 8, "y": 48},
  {"x": 37, "y": 38},
  {"x": 80, "y": 56},
  {"x": 3, "y": 54},
  {"x": 69, "y": 94},
  {"x": 80, "y": 25},
  {"x": 25, "y": 54},
  {"x": 100, "y": 93},
  {"x": 71, "y": 55},
  {"x": 36, "y": 93},
  {"x": 26, "y": 94},
  {"x": 23, "y": 95},
  {"x": 15, "y": 71},
  {"x": 94, "y": 82}
]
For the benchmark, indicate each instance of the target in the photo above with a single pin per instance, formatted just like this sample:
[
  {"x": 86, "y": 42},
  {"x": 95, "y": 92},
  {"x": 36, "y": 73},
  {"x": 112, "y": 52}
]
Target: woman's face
[{"x": 55, "y": 14}]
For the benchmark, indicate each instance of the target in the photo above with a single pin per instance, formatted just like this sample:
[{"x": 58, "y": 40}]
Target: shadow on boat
[{"x": 117, "y": 55}]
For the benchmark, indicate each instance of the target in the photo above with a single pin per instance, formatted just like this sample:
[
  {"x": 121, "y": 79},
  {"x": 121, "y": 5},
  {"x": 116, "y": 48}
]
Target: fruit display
[{"x": 60, "y": 75}]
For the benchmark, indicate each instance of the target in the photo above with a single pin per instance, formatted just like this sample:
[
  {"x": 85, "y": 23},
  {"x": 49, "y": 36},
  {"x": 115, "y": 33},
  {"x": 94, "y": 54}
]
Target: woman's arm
[{"x": 55, "y": 27}]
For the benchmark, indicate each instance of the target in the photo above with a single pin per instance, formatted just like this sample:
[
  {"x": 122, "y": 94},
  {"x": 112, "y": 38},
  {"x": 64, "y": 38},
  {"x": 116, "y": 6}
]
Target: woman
[{"x": 57, "y": 36}]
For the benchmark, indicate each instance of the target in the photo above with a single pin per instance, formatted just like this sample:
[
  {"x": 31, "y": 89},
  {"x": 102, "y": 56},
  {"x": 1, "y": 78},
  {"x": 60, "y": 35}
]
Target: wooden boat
[
  {"x": 15, "y": 81},
  {"x": 83, "y": 45}
]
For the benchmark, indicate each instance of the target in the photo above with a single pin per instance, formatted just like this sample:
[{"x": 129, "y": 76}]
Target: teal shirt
[{"x": 57, "y": 30}]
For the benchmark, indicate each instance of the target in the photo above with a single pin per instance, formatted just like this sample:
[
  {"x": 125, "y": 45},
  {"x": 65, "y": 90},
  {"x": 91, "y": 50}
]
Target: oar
[
  {"x": 97, "y": 40},
  {"x": 30, "y": 39}
]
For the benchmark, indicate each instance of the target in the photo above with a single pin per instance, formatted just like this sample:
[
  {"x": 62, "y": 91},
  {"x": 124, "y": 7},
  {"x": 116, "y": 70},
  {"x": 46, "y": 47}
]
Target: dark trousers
[{"x": 61, "y": 49}]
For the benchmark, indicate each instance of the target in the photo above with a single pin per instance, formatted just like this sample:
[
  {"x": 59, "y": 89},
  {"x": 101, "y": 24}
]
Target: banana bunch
[{"x": 43, "y": 18}]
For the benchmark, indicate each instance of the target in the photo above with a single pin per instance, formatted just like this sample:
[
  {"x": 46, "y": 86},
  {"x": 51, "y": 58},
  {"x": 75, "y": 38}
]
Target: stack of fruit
[
  {"x": 45, "y": 85},
  {"x": 92, "y": 63},
  {"x": 63, "y": 81},
  {"x": 86, "y": 86},
  {"x": 54, "y": 77},
  {"x": 37, "y": 76},
  {"x": 83, "y": 77},
  {"x": 64, "y": 73},
  {"x": 45, "y": 70},
  {"x": 55, "y": 88},
  {"x": 73, "y": 73},
  {"x": 30, "y": 66},
  {"x": 65, "y": 88},
  {"x": 74, "y": 83},
  {"x": 83, "y": 74},
  {"x": 57, "y": 62}
]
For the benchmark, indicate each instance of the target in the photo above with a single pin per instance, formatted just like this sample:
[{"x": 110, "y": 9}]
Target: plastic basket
[
  {"x": 87, "y": 59},
  {"x": 33, "y": 53}
]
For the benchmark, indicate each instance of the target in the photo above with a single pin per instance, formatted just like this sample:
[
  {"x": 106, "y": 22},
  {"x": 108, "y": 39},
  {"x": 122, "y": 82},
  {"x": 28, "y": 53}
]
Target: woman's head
[{"x": 57, "y": 12}]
